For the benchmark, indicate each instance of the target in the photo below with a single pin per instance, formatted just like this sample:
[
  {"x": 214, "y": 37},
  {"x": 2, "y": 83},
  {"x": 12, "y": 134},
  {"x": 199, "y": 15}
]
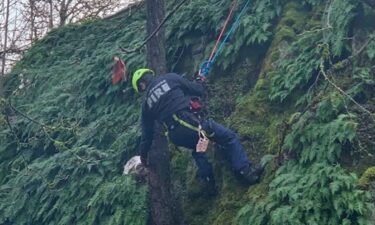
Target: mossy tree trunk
[
  {"x": 159, "y": 177},
  {"x": 156, "y": 56},
  {"x": 161, "y": 203}
]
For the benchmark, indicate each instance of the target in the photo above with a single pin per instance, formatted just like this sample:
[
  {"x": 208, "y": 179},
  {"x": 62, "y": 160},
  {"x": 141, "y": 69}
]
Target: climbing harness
[
  {"x": 206, "y": 65},
  {"x": 185, "y": 124},
  {"x": 203, "y": 140}
]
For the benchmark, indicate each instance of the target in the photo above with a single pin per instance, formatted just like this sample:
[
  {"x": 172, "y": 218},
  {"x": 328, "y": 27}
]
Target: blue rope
[
  {"x": 205, "y": 66},
  {"x": 231, "y": 31}
]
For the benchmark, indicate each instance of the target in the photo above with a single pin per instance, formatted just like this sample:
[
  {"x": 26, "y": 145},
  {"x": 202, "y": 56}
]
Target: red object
[
  {"x": 196, "y": 104},
  {"x": 119, "y": 71},
  {"x": 202, "y": 78}
]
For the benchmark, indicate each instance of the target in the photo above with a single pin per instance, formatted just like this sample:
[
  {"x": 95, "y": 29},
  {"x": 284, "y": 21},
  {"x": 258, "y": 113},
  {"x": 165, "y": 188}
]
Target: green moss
[
  {"x": 262, "y": 84},
  {"x": 181, "y": 160},
  {"x": 367, "y": 177},
  {"x": 294, "y": 15},
  {"x": 225, "y": 217},
  {"x": 293, "y": 20},
  {"x": 285, "y": 34}
]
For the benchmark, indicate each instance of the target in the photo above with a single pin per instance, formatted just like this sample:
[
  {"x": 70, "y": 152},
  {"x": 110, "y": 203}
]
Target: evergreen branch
[
  {"x": 42, "y": 125},
  {"x": 44, "y": 129},
  {"x": 24, "y": 115},
  {"x": 343, "y": 64},
  {"x": 22, "y": 155},
  {"x": 11, "y": 128},
  {"x": 328, "y": 24},
  {"x": 154, "y": 32},
  {"x": 325, "y": 27},
  {"x": 18, "y": 141},
  {"x": 346, "y": 62}
]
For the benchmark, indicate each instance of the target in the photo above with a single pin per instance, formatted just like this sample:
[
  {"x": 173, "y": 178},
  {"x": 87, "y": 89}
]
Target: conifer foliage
[
  {"x": 313, "y": 188},
  {"x": 66, "y": 132}
]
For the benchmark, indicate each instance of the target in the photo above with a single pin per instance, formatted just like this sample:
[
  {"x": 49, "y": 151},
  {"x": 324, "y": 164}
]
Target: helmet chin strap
[{"x": 142, "y": 86}]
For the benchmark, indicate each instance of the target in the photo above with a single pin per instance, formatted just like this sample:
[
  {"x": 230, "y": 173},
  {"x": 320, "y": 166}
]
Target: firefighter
[{"x": 168, "y": 99}]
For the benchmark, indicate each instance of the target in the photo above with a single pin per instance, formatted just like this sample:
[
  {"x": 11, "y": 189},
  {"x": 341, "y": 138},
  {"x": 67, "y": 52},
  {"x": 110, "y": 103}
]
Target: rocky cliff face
[{"x": 295, "y": 82}]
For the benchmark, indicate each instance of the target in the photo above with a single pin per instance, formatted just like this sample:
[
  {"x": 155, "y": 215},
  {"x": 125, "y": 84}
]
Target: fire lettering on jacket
[{"x": 157, "y": 92}]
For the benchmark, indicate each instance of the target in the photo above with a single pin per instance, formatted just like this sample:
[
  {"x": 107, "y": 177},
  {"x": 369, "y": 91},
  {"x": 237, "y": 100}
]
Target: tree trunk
[
  {"x": 161, "y": 201},
  {"x": 159, "y": 178},
  {"x": 63, "y": 13},
  {"x": 370, "y": 3},
  {"x": 50, "y": 24},
  {"x": 156, "y": 56},
  {"x": 32, "y": 20},
  {"x": 5, "y": 49}
]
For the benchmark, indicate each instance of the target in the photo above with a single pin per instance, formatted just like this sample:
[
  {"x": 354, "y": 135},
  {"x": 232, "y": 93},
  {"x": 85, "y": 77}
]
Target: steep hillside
[{"x": 295, "y": 81}]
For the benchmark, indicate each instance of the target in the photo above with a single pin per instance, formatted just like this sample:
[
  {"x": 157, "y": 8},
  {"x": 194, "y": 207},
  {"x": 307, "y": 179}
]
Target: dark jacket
[{"x": 165, "y": 95}]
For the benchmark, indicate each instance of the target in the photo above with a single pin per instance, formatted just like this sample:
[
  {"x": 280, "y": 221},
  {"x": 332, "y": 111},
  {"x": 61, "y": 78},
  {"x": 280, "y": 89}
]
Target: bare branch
[{"x": 343, "y": 92}]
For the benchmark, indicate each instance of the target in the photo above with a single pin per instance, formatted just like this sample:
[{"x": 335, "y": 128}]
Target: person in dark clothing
[{"x": 168, "y": 100}]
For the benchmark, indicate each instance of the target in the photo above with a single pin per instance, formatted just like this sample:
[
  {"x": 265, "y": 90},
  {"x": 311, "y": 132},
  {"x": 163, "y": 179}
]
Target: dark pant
[{"x": 183, "y": 136}]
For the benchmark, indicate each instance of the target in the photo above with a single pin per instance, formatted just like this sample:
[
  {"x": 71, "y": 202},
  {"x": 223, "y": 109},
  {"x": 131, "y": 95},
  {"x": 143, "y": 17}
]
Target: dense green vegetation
[{"x": 296, "y": 82}]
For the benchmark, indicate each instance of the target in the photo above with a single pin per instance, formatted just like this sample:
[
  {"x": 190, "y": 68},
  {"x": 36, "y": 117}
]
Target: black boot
[{"x": 251, "y": 175}]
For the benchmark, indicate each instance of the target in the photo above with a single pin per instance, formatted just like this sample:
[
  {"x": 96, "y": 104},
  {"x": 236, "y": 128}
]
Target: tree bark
[
  {"x": 5, "y": 49},
  {"x": 63, "y": 12},
  {"x": 161, "y": 201},
  {"x": 159, "y": 166},
  {"x": 156, "y": 56},
  {"x": 32, "y": 20},
  {"x": 50, "y": 19},
  {"x": 370, "y": 3}
]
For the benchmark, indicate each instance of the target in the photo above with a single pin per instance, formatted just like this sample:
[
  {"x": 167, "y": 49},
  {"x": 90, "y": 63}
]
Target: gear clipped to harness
[
  {"x": 196, "y": 104},
  {"x": 202, "y": 142}
]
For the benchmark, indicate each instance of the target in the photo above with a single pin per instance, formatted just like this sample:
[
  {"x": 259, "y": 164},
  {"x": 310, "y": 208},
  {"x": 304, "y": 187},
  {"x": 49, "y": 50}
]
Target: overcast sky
[{"x": 17, "y": 22}]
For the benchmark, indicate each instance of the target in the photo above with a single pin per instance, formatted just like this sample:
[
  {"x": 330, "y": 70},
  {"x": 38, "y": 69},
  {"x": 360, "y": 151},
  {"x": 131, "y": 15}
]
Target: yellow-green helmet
[{"x": 138, "y": 74}]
